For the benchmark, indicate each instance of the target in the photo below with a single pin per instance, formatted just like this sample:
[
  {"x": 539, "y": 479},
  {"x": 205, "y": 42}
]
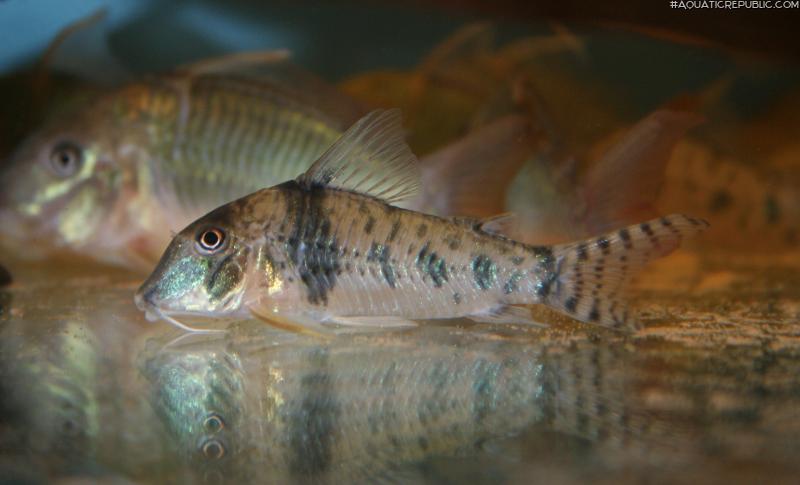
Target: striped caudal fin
[{"x": 592, "y": 274}]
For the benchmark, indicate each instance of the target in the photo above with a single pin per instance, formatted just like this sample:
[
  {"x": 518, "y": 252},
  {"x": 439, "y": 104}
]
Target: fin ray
[
  {"x": 232, "y": 62},
  {"x": 292, "y": 323},
  {"x": 591, "y": 276},
  {"x": 372, "y": 158}
]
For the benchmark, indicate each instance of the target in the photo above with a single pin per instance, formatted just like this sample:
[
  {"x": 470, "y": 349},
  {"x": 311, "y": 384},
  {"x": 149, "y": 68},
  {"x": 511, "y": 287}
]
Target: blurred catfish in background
[
  {"x": 463, "y": 82},
  {"x": 110, "y": 177},
  {"x": 593, "y": 170},
  {"x": 561, "y": 194},
  {"x": 619, "y": 188},
  {"x": 52, "y": 83}
]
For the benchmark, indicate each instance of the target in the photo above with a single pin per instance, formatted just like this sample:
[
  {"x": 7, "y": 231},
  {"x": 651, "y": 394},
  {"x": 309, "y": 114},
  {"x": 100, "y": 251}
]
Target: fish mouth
[{"x": 153, "y": 314}]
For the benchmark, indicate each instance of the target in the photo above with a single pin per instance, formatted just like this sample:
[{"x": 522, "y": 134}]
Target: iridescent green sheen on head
[
  {"x": 184, "y": 275},
  {"x": 203, "y": 271}
]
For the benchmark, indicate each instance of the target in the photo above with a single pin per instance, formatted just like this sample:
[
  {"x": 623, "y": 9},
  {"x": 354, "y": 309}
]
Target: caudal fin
[{"x": 591, "y": 275}]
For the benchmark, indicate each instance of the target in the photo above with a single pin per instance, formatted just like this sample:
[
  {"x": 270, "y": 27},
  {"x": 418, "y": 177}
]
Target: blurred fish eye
[
  {"x": 210, "y": 240},
  {"x": 213, "y": 449},
  {"x": 214, "y": 423},
  {"x": 66, "y": 159}
]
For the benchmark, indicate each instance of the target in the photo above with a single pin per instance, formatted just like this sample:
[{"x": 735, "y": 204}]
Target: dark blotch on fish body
[
  {"x": 311, "y": 248},
  {"x": 571, "y": 304},
  {"x": 380, "y": 254},
  {"x": 433, "y": 265},
  {"x": 582, "y": 252},
  {"x": 625, "y": 237},
  {"x": 453, "y": 242},
  {"x": 484, "y": 270},
  {"x": 422, "y": 229},
  {"x": 546, "y": 271},
  {"x": 393, "y": 232},
  {"x": 720, "y": 201},
  {"x": 594, "y": 314},
  {"x": 369, "y": 225},
  {"x": 544, "y": 254},
  {"x": 604, "y": 245}
]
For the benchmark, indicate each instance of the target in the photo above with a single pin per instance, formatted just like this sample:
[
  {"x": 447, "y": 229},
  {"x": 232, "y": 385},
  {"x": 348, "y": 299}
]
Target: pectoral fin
[
  {"x": 375, "y": 322},
  {"x": 292, "y": 323}
]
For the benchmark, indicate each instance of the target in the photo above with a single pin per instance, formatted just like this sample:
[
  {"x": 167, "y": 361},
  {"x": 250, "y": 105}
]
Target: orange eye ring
[
  {"x": 210, "y": 240},
  {"x": 213, "y": 449},
  {"x": 214, "y": 423}
]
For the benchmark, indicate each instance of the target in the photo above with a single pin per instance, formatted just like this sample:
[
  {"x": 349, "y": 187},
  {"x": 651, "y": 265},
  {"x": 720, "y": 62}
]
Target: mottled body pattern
[
  {"x": 333, "y": 265},
  {"x": 329, "y": 246},
  {"x": 319, "y": 255}
]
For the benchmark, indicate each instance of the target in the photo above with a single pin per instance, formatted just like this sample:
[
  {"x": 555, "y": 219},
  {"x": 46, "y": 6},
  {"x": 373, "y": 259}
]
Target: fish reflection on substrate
[
  {"x": 68, "y": 404},
  {"x": 369, "y": 407},
  {"x": 351, "y": 408}
]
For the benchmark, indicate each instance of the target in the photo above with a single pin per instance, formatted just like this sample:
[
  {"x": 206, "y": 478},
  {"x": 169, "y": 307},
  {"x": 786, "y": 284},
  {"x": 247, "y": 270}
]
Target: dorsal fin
[
  {"x": 371, "y": 158},
  {"x": 228, "y": 63}
]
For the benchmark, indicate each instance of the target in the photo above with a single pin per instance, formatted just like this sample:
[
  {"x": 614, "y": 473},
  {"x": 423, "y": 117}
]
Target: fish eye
[
  {"x": 214, "y": 423},
  {"x": 66, "y": 159},
  {"x": 213, "y": 449},
  {"x": 210, "y": 240}
]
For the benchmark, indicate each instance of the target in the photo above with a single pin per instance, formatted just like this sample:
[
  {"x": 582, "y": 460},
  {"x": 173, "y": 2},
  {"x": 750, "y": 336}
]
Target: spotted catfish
[{"x": 330, "y": 247}]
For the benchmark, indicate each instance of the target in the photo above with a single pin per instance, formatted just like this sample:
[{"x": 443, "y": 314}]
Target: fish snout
[{"x": 145, "y": 301}]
